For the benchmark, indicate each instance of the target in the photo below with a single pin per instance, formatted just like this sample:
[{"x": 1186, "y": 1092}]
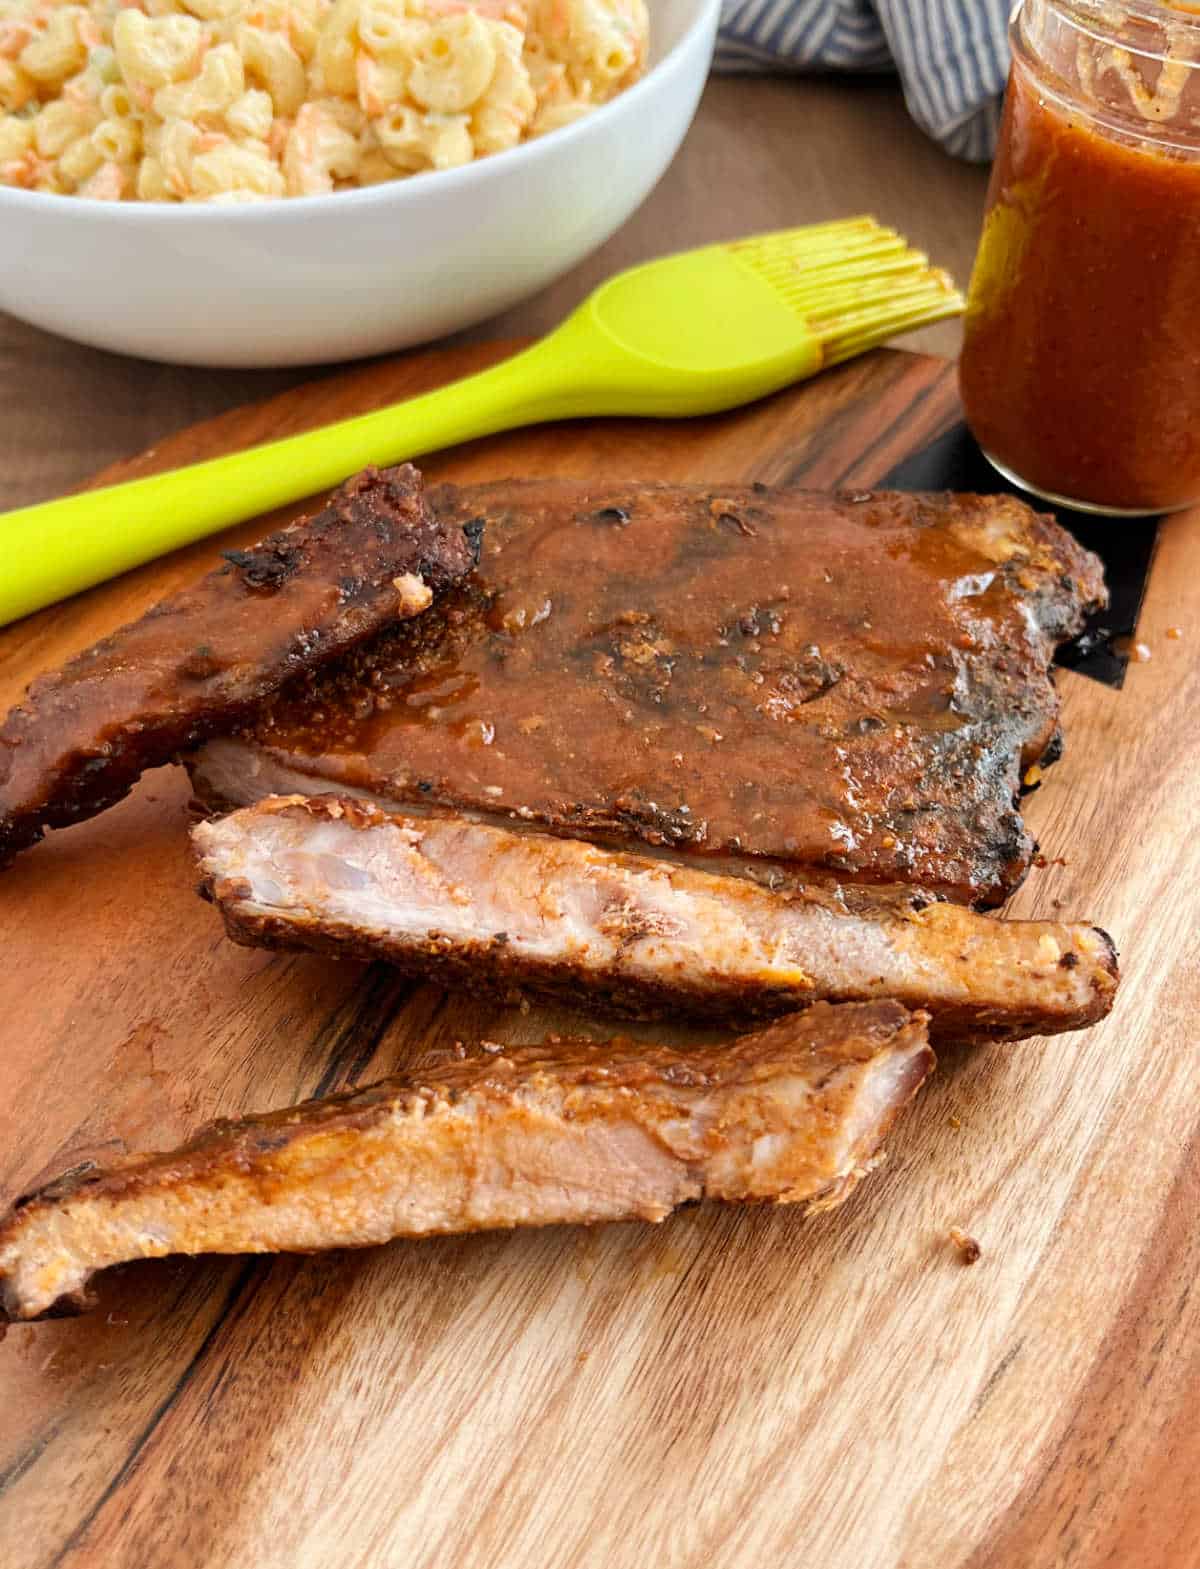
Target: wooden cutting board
[{"x": 734, "y": 1388}]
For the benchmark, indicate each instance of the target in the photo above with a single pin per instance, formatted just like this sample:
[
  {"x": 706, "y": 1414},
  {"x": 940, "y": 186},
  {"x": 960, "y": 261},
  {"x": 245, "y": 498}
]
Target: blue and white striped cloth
[{"x": 952, "y": 55}]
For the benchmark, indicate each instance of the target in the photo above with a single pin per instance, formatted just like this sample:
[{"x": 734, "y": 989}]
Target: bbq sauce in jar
[{"x": 1080, "y": 371}]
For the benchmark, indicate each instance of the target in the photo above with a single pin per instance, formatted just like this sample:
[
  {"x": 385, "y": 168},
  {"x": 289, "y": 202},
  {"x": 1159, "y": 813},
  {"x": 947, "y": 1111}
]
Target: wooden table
[{"x": 762, "y": 154}]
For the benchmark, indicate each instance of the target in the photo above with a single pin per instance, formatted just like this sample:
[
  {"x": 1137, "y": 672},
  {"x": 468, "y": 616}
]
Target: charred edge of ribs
[
  {"x": 563, "y": 1131},
  {"x": 200, "y": 661},
  {"x": 941, "y": 788},
  {"x": 636, "y": 936}
]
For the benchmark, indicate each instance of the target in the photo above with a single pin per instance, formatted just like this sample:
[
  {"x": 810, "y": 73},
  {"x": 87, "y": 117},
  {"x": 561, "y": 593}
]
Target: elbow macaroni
[{"x": 247, "y": 100}]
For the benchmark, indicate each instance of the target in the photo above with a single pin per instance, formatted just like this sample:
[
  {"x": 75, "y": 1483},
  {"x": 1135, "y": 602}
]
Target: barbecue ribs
[
  {"x": 765, "y": 679},
  {"x": 200, "y": 661},
  {"x": 484, "y": 907},
  {"x": 507, "y": 1136}
]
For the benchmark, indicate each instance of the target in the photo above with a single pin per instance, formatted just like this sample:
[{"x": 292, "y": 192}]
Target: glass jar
[{"x": 1080, "y": 370}]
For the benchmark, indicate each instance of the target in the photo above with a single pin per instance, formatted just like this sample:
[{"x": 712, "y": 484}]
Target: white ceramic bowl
[{"x": 316, "y": 278}]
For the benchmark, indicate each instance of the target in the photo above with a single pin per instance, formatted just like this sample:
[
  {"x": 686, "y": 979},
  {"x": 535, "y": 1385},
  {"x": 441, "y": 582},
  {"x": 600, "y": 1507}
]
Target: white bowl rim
[{"x": 398, "y": 191}]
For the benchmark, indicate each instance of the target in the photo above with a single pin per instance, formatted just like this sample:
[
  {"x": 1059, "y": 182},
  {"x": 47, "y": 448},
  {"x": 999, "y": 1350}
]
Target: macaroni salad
[{"x": 245, "y": 100}]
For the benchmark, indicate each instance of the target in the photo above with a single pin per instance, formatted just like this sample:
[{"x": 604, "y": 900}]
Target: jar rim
[{"x": 1097, "y": 17}]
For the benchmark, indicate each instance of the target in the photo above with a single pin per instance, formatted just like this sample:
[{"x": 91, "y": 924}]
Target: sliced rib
[
  {"x": 467, "y": 903},
  {"x": 508, "y": 1136},
  {"x": 198, "y": 662}
]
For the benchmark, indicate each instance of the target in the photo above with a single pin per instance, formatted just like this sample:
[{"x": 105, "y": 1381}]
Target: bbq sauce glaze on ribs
[
  {"x": 198, "y": 662},
  {"x": 568, "y": 1130},
  {"x": 771, "y": 679}
]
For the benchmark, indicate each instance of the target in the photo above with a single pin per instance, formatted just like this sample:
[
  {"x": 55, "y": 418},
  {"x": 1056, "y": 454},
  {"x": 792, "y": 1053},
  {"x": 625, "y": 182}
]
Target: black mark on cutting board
[{"x": 1125, "y": 545}]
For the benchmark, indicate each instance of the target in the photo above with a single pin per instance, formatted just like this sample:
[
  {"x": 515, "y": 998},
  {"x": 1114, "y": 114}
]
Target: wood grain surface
[{"x": 734, "y": 1388}]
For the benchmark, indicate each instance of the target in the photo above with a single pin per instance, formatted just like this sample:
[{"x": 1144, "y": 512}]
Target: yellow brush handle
[{"x": 59, "y": 547}]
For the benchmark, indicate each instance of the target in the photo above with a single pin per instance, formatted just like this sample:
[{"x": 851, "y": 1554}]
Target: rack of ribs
[
  {"x": 474, "y": 905},
  {"x": 768, "y": 681},
  {"x": 199, "y": 662},
  {"x": 500, "y": 1137}
]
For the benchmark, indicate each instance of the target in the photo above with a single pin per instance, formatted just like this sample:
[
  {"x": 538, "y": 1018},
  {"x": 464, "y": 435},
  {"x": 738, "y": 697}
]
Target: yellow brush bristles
[{"x": 854, "y": 283}]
